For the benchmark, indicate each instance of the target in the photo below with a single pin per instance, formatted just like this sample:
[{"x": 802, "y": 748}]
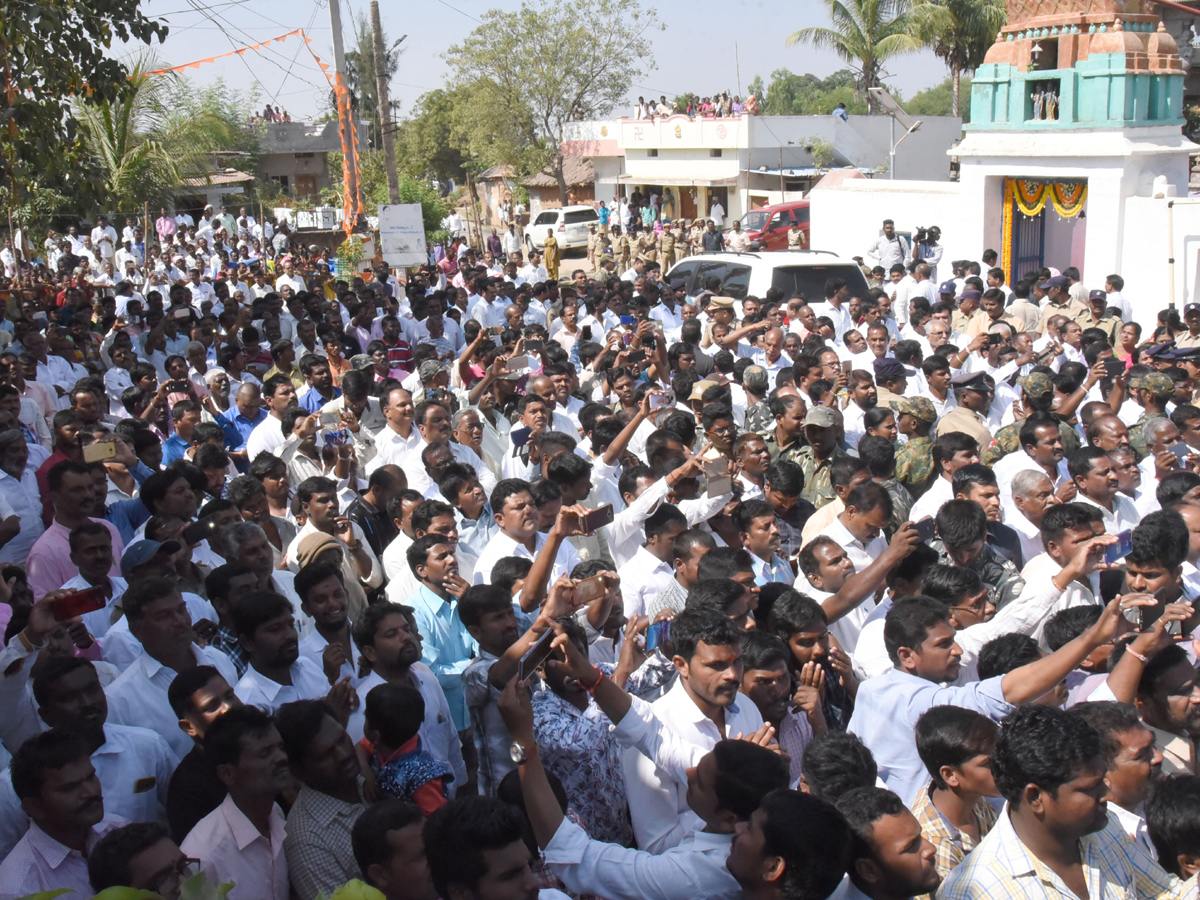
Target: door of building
[
  {"x": 1028, "y": 243},
  {"x": 306, "y": 185},
  {"x": 687, "y": 202}
]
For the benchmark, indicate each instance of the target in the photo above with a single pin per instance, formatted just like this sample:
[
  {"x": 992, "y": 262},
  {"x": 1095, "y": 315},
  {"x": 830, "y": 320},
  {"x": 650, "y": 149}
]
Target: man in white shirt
[
  {"x": 517, "y": 516},
  {"x": 289, "y": 278},
  {"x": 890, "y": 248},
  {"x": 704, "y": 707},
  {"x": 434, "y": 426},
  {"x": 241, "y": 841},
  {"x": 694, "y": 867},
  {"x": 716, "y": 212},
  {"x": 1032, "y": 495},
  {"x": 651, "y": 570},
  {"x": 835, "y": 306},
  {"x": 159, "y": 618},
  {"x": 951, "y": 452},
  {"x": 267, "y": 436},
  {"x": 104, "y": 239},
  {"x": 1042, "y": 451},
  {"x": 56, "y": 782},
  {"x": 921, "y": 645},
  {"x": 400, "y": 437},
  {"x": 277, "y": 674},
  {"x": 1095, "y": 476}
]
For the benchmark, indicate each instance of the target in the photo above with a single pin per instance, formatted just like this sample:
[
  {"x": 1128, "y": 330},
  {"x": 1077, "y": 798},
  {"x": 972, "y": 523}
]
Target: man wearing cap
[
  {"x": 1037, "y": 396},
  {"x": 1097, "y": 317},
  {"x": 820, "y": 429},
  {"x": 914, "y": 458},
  {"x": 973, "y": 395},
  {"x": 1058, "y": 301},
  {"x": 1191, "y": 315},
  {"x": 968, "y": 312},
  {"x": 756, "y": 383},
  {"x": 1153, "y": 393},
  {"x": 608, "y": 267}
]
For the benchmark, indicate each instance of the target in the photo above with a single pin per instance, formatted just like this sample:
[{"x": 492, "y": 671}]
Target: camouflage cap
[
  {"x": 1036, "y": 384},
  {"x": 1158, "y": 384},
  {"x": 820, "y": 417},
  {"x": 917, "y": 407}
]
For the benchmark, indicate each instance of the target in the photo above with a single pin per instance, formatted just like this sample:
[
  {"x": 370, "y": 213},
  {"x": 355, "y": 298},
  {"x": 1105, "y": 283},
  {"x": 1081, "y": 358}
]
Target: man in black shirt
[
  {"x": 369, "y": 510},
  {"x": 199, "y": 697}
]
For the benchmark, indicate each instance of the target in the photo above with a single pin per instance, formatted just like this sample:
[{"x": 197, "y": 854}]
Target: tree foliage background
[
  {"x": 53, "y": 54},
  {"x": 524, "y": 74}
]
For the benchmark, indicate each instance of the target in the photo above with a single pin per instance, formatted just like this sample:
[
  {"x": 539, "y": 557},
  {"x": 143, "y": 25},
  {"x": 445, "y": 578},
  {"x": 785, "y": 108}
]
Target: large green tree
[
  {"x": 865, "y": 34},
  {"x": 360, "y": 75},
  {"x": 939, "y": 100},
  {"x": 789, "y": 94},
  {"x": 530, "y": 71},
  {"x": 960, "y": 33},
  {"x": 53, "y": 54},
  {"x": 147, "y": 143},
  {"x": 425, "y": 144}
]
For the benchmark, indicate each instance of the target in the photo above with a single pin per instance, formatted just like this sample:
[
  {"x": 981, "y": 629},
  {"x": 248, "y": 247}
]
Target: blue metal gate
[{"x": 1028, "y": 243}]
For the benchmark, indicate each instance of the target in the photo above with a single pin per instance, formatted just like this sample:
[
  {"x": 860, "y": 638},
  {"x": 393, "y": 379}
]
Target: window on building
[
  {"x": 652, "y": 152},
  {"x": 714, "y": 153}
]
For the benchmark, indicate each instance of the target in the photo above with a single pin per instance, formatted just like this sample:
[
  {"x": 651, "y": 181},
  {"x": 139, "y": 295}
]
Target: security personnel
[{"x": 974, "y": 395}]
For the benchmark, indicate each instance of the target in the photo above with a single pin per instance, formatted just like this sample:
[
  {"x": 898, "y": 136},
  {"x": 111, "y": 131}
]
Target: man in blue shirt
[
  {"x": 446, "y": 645},
  {"x": 239, "y": 420},
  {"x": 920, "y": 642},
  {"x": 320, "y": 389},
  {"x": 186, "y": 416}
]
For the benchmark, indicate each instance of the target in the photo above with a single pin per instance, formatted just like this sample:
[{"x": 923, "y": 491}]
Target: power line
[{"x": 460, "y": 12}]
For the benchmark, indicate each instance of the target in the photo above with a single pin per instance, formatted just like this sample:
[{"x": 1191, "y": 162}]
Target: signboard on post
[{"x": 402, "y": 235}]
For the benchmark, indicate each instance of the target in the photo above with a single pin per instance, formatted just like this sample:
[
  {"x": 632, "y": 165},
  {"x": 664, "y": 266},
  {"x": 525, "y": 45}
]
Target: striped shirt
[{"x": 1002, "y": 868}]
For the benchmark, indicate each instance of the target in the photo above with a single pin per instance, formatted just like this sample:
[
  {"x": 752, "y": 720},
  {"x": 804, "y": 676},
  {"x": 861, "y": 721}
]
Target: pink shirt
[{"x": 49, "y": 566}]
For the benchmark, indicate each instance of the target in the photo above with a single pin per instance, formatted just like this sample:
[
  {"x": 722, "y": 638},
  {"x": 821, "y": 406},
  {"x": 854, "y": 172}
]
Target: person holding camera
[{"x": 928, "y": 249}]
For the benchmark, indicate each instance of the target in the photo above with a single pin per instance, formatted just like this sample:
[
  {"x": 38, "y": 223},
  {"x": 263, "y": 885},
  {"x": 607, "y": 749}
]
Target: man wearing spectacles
[{"x": 140, "y": 856}]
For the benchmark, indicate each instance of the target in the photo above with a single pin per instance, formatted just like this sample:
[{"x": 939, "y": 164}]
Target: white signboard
[{"x": 402, "y": 235}]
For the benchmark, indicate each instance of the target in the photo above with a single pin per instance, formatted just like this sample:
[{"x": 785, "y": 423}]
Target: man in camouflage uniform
[
  {"x": 620, "y": 247},
  {"x": 1001, "y": 578},
  {"x": 1037, "y": 395},
  {"x": 784, "y": 435},
  {"x": 914, "y": 458},
  {"x": 1152, "y": 392},
  {"x": 820, "y": 428},
  {"x": 756, "y": 383}
]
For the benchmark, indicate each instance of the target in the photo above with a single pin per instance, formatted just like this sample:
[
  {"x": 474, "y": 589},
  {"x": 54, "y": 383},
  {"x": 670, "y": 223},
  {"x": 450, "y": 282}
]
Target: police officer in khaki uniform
[
  {"x": 974, "y": 395},
  {"x": 593, "y": 246},
  {"x": 620, "y": 246},
  {"x": 666, "y": 249}
]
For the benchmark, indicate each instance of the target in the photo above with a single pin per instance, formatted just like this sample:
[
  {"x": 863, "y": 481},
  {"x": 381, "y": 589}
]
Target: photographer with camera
[{"x": 928, "y": 249}]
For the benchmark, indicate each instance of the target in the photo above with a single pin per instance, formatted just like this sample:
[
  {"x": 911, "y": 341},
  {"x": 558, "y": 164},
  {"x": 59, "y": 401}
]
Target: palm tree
[
  {"x": 960, "y": 33},
  {"x": 865, "y": 33},
  {"x": 146, "y": 145},
  {"x": 360, "y": 75}
]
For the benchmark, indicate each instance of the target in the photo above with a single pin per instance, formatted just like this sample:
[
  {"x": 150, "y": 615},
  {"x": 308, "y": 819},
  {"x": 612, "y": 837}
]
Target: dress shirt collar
[
  {"x": 243, "y": 830},
  {"x": 56, "y": 853},
  {"x": 842, "y": 535},
  {"x": 678, "y": 698},
  {"x": 435, "y": 604}
]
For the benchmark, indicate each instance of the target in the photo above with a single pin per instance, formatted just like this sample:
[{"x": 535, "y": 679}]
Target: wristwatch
[{"x": 516, "y": 752}]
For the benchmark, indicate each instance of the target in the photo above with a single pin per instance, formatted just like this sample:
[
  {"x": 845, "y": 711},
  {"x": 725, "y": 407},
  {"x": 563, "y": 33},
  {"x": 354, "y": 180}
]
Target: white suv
[
  {"x": 569, "y": 224},
  {"x": 752, "y": 274}
]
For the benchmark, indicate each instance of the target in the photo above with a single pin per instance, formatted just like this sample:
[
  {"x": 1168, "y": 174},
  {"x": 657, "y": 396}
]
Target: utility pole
[
  {"x": 385, "y": 106},
  {"x": 345, "y": 111}
]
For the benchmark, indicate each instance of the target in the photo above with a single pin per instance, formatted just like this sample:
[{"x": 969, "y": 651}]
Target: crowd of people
[
  {"x": 718, "y": 106},
  {"x": 487, "y": 583}
]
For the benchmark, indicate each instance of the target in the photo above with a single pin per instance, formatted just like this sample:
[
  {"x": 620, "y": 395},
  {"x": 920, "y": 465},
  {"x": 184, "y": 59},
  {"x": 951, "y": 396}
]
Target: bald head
[
  {"x": 543, "y": 387},
  {"x": 1108, "y": 433}
]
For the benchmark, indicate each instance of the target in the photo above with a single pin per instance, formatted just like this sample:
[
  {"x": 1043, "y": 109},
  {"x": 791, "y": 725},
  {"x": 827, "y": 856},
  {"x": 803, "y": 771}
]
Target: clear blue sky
[{"x": 695, "y": 53}]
